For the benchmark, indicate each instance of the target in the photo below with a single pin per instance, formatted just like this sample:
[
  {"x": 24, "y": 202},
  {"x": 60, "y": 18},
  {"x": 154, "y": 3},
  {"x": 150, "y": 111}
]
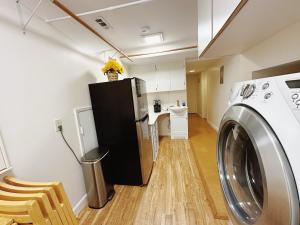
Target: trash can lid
[{"x": 95, "y": 154}]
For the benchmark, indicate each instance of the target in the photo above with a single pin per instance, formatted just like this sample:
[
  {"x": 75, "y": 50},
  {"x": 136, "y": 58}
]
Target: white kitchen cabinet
[
  {"x": 178, "y": 80},
  {"x": 222, "y": 9},
  {"x": 155, "y": 140},
  {"x": 212, "y": 15},
  {"x": 179, "y": 124},
  {"x": 151, "y": 81},
  {"x": 204, "y": 24},
  {"x": 163, "y": 81},
  {"x": 170, "y": 77}
]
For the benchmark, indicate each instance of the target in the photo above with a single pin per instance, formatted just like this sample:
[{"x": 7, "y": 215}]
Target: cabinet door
[
  {"x": 163, "y": 81},
  {"x": 178, "y": 79},
  {"x": 204, "y": 24},
  {"x": 151, "y": 82},
  {"x": 148, "y": 74},
  {"x": 179, "y": 127},
  {"x": 222, "y": 9}
]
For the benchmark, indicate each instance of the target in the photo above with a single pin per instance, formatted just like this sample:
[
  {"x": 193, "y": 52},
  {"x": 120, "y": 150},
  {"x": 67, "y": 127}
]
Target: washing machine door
[{"x": 256, "y": 177}]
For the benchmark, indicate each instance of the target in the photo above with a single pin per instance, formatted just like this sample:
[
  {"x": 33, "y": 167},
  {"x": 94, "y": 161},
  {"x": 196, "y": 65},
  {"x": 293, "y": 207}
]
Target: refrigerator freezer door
[{"x": 145, "y": 148}]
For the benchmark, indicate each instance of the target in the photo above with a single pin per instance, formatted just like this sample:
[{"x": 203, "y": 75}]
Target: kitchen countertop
[{"x": 153, "y": 116}]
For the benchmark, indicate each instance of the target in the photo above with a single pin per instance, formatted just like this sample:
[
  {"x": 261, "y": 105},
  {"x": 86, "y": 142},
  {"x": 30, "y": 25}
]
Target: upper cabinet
[
  {"x": 204, "y": 24},
  {"x": 151, "y": 81},
  {"x": 221, "y": 10},
  {"x": 212, "y": 15},
  {"x": 178, "y": 79},
  {"x": 161, "y": 78},
  {"x": 238, "y": 25},
  {"x": 163, "y": 81}
]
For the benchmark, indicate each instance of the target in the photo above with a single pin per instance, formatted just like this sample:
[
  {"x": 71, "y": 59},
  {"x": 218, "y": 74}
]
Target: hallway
[
  {"x": 203, "y": 142},
  {"x": 174, "y": 195}
]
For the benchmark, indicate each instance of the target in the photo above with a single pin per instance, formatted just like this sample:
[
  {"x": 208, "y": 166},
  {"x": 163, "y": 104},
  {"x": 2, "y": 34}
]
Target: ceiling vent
[{"x": 102, "y": 23}]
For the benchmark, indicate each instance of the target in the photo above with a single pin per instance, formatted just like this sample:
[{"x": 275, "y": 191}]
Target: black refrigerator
[{"x": 120, "y": 111}]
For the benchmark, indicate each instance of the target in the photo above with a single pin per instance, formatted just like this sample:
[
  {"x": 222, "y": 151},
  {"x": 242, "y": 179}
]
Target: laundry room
[{"x": 143, "y": 112}]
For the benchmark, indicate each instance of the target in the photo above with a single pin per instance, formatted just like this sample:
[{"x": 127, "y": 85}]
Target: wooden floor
[
  {"x": 203, "y": 139},
  {"x": 174, "y": 195}
]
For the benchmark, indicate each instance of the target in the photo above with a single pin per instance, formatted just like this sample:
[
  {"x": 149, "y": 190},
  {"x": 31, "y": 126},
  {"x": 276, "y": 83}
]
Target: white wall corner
[
  {"x": 80, "y": 205},
  {"x": 213, "y": 126}
]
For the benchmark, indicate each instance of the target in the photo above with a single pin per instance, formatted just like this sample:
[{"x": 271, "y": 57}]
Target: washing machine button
[
  {"x": 265, "y": 86},
  {"x": 295, "y": 96},
  {"x": 268, "y": 95}
]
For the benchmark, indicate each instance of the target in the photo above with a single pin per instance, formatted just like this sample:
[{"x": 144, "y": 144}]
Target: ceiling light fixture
[
  {"x": 192, "y": 71},
  {"x": 153, "y": 38}
]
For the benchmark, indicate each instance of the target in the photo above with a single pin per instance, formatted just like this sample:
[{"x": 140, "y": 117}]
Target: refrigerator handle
[{"x": 143, "y": 119}]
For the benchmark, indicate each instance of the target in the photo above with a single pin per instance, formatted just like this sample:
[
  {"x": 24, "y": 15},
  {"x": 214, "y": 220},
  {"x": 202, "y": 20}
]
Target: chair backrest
[
  {"x": 6, "y": 221},
  {"x": 42, "y": 200},
  {"x": 23, "y": 212},
  {"x": 58, "y": 187},
  {"x": 49, "y": 191}
]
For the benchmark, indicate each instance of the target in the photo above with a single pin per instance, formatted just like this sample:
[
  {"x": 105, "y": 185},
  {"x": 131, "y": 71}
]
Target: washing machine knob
[{"x": 248, "y": 90}]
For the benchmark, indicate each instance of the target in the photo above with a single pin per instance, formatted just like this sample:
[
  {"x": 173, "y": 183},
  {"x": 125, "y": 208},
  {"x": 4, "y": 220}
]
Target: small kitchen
[{"x": 167, "y": 102}]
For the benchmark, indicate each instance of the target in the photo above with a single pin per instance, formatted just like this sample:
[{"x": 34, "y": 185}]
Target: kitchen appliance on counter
[
  {"x": 121, "y": 117},
  {"x": 157, "y": 106}
]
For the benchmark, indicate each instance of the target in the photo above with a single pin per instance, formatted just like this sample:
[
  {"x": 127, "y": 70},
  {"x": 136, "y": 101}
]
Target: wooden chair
[
  {"x": 23, "y": 212},
  {"x": 6, "y": 221},
  {"x": 57, "y": 186},
  {"x": 41, "y": 199},
  {"x": 49, "y": 191}
]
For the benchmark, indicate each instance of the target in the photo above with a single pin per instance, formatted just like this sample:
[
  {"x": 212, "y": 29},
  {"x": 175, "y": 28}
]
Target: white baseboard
[
  {"x": 80, "y": 205},
  {"x": 213, "y": 125}
]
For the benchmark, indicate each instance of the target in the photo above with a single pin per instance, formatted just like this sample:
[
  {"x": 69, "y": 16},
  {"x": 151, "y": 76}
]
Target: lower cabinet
[
  {"x": 179, "y": 125},
  {"x": 155, "y": 140}
]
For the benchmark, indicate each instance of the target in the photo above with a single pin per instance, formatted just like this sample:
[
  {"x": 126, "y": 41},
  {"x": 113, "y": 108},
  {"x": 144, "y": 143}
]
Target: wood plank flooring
[
  {"x": 174, "y": 195},
  {"x": 203, "y": 139}
]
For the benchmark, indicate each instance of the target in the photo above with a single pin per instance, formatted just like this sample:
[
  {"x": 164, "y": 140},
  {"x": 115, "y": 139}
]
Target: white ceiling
[{"x": 177, "y": 19}]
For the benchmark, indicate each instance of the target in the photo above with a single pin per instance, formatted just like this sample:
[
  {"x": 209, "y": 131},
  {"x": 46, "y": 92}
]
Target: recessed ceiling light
[
  {"x": 153, "y": 38},
  {"x": 192, "y": 71}
]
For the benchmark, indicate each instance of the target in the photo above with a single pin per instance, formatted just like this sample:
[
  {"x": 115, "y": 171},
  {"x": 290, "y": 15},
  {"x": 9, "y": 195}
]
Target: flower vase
[{"x": 112, "y": 76}]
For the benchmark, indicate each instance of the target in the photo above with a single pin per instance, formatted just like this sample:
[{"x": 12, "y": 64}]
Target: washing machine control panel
[
  {"x": 260, "y": 90},
  {"x": 289, "y": 86}
]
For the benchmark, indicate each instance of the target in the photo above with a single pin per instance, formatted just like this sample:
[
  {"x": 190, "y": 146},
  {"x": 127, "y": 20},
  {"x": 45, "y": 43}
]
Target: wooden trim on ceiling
[
  {"x": 227, "y": 23},
  {"x": 165, "y": 51},
  {"x": 73, "y": 15}
]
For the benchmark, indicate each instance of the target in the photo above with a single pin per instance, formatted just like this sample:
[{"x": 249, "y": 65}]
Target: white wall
[
  {"x": 282, "y": 47},
  {"x": 41, "y": 80}
]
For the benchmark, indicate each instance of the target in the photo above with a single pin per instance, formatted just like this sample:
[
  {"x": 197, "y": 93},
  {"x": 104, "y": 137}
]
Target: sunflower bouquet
[{"x": 112, "y": 68}]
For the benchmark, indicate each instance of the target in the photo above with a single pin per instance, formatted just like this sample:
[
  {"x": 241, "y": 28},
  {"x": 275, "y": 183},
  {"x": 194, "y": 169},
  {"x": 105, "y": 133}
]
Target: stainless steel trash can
[{"x": 98, "y": 191}]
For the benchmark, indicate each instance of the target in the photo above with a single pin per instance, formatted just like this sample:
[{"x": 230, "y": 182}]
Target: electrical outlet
[{"x": 57, "y": 124}]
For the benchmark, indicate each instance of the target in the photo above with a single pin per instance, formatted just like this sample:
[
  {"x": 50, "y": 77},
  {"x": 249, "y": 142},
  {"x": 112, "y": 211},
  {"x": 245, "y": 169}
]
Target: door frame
[{"x": 76, "y": 116}]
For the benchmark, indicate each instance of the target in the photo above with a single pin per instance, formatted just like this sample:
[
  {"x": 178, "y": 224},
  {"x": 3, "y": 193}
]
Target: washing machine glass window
[{"x": 243, "y": 173}]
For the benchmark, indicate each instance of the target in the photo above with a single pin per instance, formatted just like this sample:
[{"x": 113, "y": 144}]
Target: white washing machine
[{"x": 259, "y": 152}]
